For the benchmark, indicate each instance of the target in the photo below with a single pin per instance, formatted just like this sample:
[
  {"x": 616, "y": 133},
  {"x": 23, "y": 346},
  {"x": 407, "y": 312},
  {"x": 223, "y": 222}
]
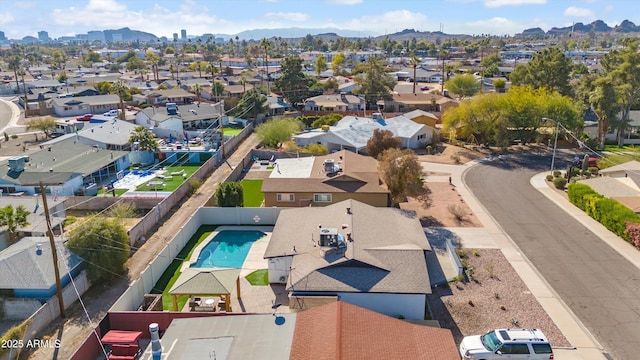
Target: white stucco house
[
  {"x": 353, "y": 132},
  {"x": 364, "y": 255}
]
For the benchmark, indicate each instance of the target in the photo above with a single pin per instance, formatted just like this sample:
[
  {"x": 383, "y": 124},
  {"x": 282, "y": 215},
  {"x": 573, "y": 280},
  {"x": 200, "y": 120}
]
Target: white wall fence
[
  {"x": 48, "y": 312},
  {"x": 133, "y": 297}
]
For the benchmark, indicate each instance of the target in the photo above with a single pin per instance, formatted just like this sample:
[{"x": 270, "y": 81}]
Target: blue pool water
[{"x": 227, "y": 249}]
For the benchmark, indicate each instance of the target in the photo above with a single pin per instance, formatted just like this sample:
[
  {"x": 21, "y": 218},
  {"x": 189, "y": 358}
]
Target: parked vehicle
[
  {"x": 112, "y": 113},
  {"x": 593, "y": 162},
  {"x": 85, "y": 117},
  {"x": 530, "y": 344}
]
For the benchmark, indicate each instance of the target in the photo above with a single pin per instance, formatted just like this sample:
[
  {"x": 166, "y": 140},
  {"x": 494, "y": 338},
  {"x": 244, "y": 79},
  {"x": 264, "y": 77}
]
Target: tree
[
  {"x": 103, "y": 244},
  {"x": 382, "y": 140},
  {"x": 120, "y": 88},
  {"x": 376, "y": 83},
  {"x": 145, "y": 138},
  {"x": 414, "y": 62},
  {"x": 321, "y": 65},
  {"x": 330, "y": 119},
  {"x": 13, "y": 219},
  {"x": 549, "y": 68},
  {"x": 14, "y": 64},
  {"x": 293, "y": 84},
  {"x": 229, "y": 194},
  {"x": 252, "y": 103},
  {"x": 47, "y": 125},
  {"x": 490, "y": 64},
  {"x": 402, "y": 173},
  {"x": 266, "y": 45},
  {"x": 154, "y": 60},
  {"x": 463, "y": 85},
  {"x": 336, "y": 63},
  {"x": 197, "y": 89},
  {"x": 278, "y": 131},
  {"x": 135, "y": 63},
  {"x": 500, "y": 85},
  {"x": 604, "y": 102}
]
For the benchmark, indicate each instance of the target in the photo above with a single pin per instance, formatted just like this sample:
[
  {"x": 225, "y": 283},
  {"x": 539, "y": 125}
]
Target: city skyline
[{"x": 372, "y": 17}]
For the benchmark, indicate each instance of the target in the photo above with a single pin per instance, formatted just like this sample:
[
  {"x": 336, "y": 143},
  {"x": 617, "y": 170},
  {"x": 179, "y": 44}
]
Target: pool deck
[{"x": 254, "y": 299}]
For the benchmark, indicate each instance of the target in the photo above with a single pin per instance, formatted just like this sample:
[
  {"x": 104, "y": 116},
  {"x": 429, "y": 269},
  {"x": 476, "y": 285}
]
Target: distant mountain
[
  {"x": 295, "y": 32},
  {"x": 597, "y": 26}
]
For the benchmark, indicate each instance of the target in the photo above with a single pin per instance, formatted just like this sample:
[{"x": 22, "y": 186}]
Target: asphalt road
[{"x": 600, "y": 286}]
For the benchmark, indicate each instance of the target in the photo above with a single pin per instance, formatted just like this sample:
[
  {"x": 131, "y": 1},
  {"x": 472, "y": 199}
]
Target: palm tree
[
  {"x": 197, "y": 89},
  {"x": 145, "y": 138},
  {"x": 120, "y": 88},
  {"x": 266, "y": 44},
  {"x": 414, "y": 61},
  {"x": 14, "y": 64},
  {"x": 12, "y": 219}
]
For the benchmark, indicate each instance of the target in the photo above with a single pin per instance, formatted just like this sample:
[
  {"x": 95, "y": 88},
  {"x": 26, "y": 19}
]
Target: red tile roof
[{"x": 344, "y": 331}]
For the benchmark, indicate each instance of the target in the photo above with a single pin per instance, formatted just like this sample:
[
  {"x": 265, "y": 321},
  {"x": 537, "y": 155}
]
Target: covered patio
[{"x": 210, "y": 283}]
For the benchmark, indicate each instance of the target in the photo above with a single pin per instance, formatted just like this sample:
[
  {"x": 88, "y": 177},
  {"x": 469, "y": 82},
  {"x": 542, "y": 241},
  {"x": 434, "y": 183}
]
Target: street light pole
[{"x": 54, "y": 252}]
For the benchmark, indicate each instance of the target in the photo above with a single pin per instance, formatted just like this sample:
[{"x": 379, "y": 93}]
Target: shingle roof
[
  {"x": 89, "y": 100},
  {"x": 22, "y": 268},
  {"x": 386, "y": 254},
  {"x": 358, "y": 174},
  {"x": 340, "y": 330}
]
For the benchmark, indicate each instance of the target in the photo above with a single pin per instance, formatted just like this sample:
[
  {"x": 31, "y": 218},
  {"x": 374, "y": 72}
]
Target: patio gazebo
[{"x": 206, "y": 282}]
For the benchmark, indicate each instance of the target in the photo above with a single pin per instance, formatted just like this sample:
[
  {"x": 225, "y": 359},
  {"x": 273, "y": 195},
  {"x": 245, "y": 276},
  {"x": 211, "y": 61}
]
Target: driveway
[{"x": 599, "y": 285}]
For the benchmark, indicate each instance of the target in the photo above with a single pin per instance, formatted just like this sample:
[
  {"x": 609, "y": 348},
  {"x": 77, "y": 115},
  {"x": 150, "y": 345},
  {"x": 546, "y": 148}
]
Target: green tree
[
  {"x": 13, "y": 219},
  {"x": 330, "y": 119},
  {"x": 145, "y": 138},
  {"x": 500, "y": 85},
  {"x": 414, "y": 61},
  {"x": 197, "y": 89},
  {"x": 293, "y": 84},
  {"x": 316, "y": 149},
  {"x": 103, "y": 244},
  {"x": 266, "y": 45},
  {"x": 604, "y": 102},
  {"x": 14, "y": 64},
  {"x": 278, "y": 131},
  {"x": 380, "y": 141},
  {"x": 549, "y": 68},
  {"x": 120, "y": 88},
  {"x": 154, "y": 60},
  {"x": 229, "y": 194},
  {"x": 92, "y": 56},
  {"x": 463, "y": 85},
  {"x": 402, "y": 173},
  {"x": 252, "y": 102},
  {"x": 321, "y": 65},
  {"x": 336, "y": 63},
  {"x": 490, "y": 64},
  {"x": 47, "y": 125},
  {"x": 377, "y": 83}
]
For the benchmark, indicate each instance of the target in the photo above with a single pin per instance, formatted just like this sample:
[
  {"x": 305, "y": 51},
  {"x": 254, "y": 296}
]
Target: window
[
  {"x": 542, "y": 348},
  {"x": 322, "y": 197},
  {"x": 422, "y": 136},
  {"x": 514, "y": 349},
  {"x": 285, "y": 197}
]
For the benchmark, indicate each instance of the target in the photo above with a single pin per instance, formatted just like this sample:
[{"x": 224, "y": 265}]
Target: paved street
[{"x": 599, "y": 285}]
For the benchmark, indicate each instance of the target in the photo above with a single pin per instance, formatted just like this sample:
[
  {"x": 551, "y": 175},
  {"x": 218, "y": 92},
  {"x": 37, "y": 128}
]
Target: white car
[
  {"x": 112, "y": 113},
  {"x": 530, "y": 344}
]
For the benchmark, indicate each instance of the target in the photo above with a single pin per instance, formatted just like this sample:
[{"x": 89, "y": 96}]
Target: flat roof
[{"x": 293, "y": 168}]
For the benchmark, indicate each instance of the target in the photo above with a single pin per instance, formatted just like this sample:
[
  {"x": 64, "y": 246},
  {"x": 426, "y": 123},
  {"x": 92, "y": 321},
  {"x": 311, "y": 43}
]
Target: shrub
[
  {"x": 577, "y": 192},
  {"x": 194, "y": 185},
  {"x": 14, "y": 136},
  {"x": 455, "y": 158},
  {"x": 429, "y": 149},
  {"x": 559, "y": 183},
  {"x": 457, "y": 211},
  {"x": 549, "y": 177},
  {"x": 556, "y": 173}
]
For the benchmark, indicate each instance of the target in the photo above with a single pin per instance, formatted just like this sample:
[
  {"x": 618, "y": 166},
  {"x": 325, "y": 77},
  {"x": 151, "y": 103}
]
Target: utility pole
[{"x": 54, "y": 252}]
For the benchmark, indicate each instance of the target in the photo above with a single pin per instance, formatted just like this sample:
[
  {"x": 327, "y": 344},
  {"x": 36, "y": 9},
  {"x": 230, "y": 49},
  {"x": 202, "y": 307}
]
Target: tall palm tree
[
  {"x": 12, "y": 219},
  {"x": 266, "y": 44},
  {"x": 145, "y": 138},
  {"x": 120, "y": 88},
  {"x": 414, "y": 61},
  {"x": 14, "y": 64},
  {"x": 197, "y": 89}
]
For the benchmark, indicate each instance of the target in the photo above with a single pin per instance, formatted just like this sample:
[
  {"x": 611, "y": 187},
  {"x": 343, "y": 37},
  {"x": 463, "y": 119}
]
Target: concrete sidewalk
[{"x": 491, "y": 235}]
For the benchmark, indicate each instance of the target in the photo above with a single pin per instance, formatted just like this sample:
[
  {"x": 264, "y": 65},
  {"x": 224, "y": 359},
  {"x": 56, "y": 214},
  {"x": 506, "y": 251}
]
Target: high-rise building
[
  {"x": 175, "y": 36},
  {"x": 2, "y": 37},
  {"x": 43, "y": 36},
  {"x": 183, "y": 35},
  {"x": 95, "y": 35}
]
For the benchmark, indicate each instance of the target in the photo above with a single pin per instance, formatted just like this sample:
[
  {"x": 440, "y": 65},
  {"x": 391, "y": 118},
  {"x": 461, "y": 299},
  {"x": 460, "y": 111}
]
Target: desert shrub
[
  {"x": 556, "y": 173},
  {"x": 194, "y": 185},
  {"x": 559, "y": 183},
  {"x": 593, "y": 170},
  {"x": 549, "y": 177},
  {"x": 457, "y": 211},
  {"x": 429, "y": 149},
  {"x": 456, "y": 158}
]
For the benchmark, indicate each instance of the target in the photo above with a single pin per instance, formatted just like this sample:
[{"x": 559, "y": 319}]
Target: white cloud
[
  {"x": 290, "y": 16},
  {"x": 609, "y": 8},
  {"x": 345, "y": 2},
  {"x": 499, "y": 3},
  {"x": 388, "y": 22},
  {"x": 578, "y": 12},
  {"x": 6, "y": 18},
  {"x": 493, "y": 26}
]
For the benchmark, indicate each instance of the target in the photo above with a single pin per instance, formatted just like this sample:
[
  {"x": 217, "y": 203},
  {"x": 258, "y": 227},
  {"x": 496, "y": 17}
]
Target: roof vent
[{"x": 329, "y": 166}]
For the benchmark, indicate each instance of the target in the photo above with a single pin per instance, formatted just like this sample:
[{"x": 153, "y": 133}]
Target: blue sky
[{"x": 19, "y": 18}]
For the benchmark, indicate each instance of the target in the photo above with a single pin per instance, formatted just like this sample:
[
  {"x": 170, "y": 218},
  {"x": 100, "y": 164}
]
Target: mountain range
[{"x": 597, "y": 26}]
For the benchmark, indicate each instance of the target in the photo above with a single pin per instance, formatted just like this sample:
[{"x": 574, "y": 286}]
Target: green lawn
[
  {"x": 231, "y": 131},
  {"x": 258, "y": 278},
  {"x": 172, "y": 272},
  {"x": 253, "y": 197},
  {"x": 175, "y": 180}
]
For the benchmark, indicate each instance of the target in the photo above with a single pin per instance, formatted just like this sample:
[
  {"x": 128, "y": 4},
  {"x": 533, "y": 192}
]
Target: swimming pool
[{"x": 227, "y": 249}]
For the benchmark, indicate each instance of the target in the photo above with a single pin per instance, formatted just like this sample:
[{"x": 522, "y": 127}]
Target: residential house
[
  {"x": 53, "y": 85},
  {"x": 36, "y": 218},
  {"x": 276, "y": 106},
  {"x": 81, "y": 90},
  {"x": 624, "y": 189},
  {"x": 422, "y": 117},
  {"x": 188, "y": 84},
  {"x": 629, "y": 168},
  {"x": 325, "y": 180},
  {"x": 75, "y": 106},
  {"x": 27, "y": 269},
  {"x": 169, "y": 121},
  {"x": 353, "y": 132},
  {"x": 373, "y": 257},
  {"x": 632, "y": 133},
  {"x": 67, "y": 167},
  {"x": 161, "y": 97},
  {"x": 335, "y": 103},
  {"x": 112, "y": 134},
  {"x": 358, "y": 333}
]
